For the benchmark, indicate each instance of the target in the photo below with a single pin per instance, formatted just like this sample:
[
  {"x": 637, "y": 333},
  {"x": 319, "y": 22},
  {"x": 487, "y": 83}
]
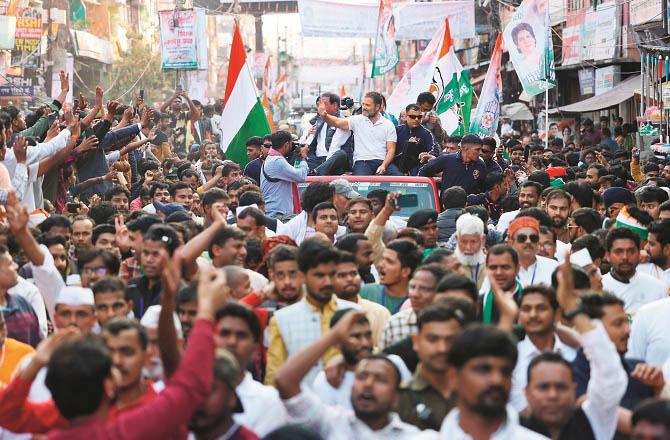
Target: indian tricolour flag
[
  {"x": 243, "y": 114},
  {"x": 438, "y": 70}
]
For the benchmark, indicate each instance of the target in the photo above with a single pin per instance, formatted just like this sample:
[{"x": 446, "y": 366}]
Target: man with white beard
[{"x": 470, "y": 242}]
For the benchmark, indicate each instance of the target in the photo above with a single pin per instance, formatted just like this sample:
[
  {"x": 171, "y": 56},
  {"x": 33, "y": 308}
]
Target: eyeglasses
[
  {"x": 522, "y": 238},
  {"x": 99, "y": 271},
  {"x": 267, "y": 145},
  {"x": 486, "y": 151},
  {"x": 414, "y": 117}
]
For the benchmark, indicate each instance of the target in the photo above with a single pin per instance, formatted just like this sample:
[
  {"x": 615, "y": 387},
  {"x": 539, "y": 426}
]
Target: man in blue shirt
[
  {"x": 415, "y": 142},
  {"x": 464, "y": 169},
  {"x": 278, "y": 176}
]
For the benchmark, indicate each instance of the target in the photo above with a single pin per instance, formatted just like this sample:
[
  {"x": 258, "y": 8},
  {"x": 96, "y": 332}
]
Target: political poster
[
  {"x": 178, "y": 39},
  {"x": 528, "y": 39}
]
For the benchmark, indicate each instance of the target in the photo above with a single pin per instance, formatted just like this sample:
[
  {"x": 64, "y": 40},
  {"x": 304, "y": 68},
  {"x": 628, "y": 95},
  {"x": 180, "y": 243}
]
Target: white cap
[
  {"x": 150, "y": 319},
  {"x": 75, "y": 296}
]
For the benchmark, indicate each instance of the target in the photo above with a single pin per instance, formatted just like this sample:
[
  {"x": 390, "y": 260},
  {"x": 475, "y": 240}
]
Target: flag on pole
[
  {"x": 453, "y": 88},
  {"x": 243, "y": 115},
  {"x": 438, "y": 70},
  {"x": 386, "y": 51},
  {"x": 488, "y": 107},
  {"x": 266, "y": 92},
  {"x": 278, "y": 88},
  {"x": 528, "y": 38}
]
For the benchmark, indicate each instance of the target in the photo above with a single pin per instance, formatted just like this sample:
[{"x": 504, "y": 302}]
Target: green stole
[{"x": 487, "y": 315}]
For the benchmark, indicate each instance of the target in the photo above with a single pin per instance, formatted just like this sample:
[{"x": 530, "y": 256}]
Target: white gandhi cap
[
  {"x": 75, "y": 296},
  {"x": 150, "y": 320}
]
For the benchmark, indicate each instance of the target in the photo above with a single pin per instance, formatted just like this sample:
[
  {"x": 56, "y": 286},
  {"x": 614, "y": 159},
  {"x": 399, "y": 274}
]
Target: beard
[
  {"x": 470, "y": 260},
  {"x": 492, "y": 402},
  {"x": 558, "y": 222}
]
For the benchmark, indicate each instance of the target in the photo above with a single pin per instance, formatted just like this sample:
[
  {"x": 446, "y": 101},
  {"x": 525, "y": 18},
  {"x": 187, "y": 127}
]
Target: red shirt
[{"x": 188, "y": 388}]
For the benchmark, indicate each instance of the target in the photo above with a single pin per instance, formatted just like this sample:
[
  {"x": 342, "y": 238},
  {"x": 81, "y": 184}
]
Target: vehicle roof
[{"x": 351, "y": 178}]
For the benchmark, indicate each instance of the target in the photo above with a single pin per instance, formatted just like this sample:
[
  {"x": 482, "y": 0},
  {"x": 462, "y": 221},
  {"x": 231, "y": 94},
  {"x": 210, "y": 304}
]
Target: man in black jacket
[{"x": 330, "y": 151}]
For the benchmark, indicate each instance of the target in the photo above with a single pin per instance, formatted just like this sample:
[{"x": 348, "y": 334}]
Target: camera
[{"x": 346, "y": 103}]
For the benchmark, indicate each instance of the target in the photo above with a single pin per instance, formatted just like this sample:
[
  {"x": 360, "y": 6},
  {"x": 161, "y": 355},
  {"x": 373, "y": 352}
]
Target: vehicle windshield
[{"x": 414, "y": 195}]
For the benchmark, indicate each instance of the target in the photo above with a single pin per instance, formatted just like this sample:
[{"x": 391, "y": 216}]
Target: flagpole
[{"x": 546, "y": 118}]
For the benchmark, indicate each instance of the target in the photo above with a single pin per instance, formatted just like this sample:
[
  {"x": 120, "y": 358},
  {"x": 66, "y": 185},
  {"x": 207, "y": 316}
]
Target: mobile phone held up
[{"x": 72, "y": 207}]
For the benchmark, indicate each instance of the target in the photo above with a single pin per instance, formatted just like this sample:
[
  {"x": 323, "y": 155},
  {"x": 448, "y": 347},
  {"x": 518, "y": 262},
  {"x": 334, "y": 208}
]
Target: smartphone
[
  {"x": 395, "y": 203},
  {"x": 75, "y": 104},
  {"x": 142, "y": 93},
  {"x": 180, "y": 88},
  {"x": 72, "y": 207}
]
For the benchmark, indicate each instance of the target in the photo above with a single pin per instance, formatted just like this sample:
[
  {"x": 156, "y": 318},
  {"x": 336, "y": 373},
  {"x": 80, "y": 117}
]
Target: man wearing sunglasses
[
  {"x": 416, "y": 144},
  {"x": 524, "y": 237}
]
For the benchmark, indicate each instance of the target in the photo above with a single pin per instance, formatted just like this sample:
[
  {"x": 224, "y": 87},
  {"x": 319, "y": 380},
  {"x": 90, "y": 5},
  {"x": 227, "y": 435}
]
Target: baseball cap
[{"x": 343, "y": 187}]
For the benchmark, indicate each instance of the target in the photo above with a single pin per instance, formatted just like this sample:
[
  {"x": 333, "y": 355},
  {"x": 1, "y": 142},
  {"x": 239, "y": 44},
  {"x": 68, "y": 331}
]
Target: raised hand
[
  {"x": 171, "y": 274},
  {"x": 505, "y": 303},
  {"x": 17, "y": 214},
  {"x": 20, "y": 149},
  {"x": 343, "y": 327},
  {"x": 90, "y": 143},
  {"x": 122, "y": 234},
  {"x": 565, "y": 294},
  {"x": 74, "y": 126},
  {"x": 147, "y": 118},
  {"x": 82, "y": 102},
  {"x": 128, "y": 114},
  {"x": 391, "y": 204},
  {"x": 64, "y": 81},
  {"x": 111, "y": 109},
  {"x": 98, "y": 97},
  {"x": 213, "y": 292}
]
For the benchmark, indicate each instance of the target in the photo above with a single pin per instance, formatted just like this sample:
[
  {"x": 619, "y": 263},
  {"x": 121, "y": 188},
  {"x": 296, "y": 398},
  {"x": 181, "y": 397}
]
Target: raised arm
[
  {"x": 375, "y": 230},
  {"x": 198, "y": 244},
  {"x": 64, "y": 86},
  {"x": 608, "y": 380},
  {"x": 341, "y": 123},
  {"x": 296, "y": 367},
  {"x": 168, "y": 103},
  {"x": 193, "y": 112},
  {"x": 167, "y": 333},
  {"x": 192, "y": 382}
]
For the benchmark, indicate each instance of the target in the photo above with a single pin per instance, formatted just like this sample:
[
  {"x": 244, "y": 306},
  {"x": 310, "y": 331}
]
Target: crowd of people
[{"x": 151, "y": 288}]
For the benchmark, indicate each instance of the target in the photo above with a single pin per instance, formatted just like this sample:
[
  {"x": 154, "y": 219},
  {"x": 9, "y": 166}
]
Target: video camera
[{"x": 346, "y": 103}]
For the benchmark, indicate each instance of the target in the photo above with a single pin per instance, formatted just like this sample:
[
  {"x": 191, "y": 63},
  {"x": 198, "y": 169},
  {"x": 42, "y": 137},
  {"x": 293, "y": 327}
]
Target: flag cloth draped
[
  {"x": 438, "y": 70},
  {"x": 488, "y": 107},
  {"x": 278, "y": 88},
  {"x": 528, "y": 39},
  {"x": 266, "y": 92},
  {"x": 386, "y": 51},
  {"x": 243, "y": 114}
]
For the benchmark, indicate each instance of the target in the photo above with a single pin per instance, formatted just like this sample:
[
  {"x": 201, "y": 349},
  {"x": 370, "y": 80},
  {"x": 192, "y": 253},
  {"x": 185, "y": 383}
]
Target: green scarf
[{"x": 487, "y": 315}]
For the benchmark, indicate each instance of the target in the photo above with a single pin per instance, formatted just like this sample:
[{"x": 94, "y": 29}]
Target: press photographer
[{"x": 278, "y": 176}]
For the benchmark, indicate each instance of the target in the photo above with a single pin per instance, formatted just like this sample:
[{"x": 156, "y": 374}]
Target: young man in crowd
[
  {"x": 422, "y": 289},
  {"x": 634, "y": 288},
  {"x": 295, "y": 326},
  {"x": 374, "y": 392},
  {"x": 347, "y": 287},
  {"x": 399, "y": 260}
]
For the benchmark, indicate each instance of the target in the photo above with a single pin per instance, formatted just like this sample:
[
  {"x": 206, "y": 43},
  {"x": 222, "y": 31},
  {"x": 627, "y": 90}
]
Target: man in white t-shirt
[
  {"x": 634, "y": 288},
  {"x": 374, "y": 137}
]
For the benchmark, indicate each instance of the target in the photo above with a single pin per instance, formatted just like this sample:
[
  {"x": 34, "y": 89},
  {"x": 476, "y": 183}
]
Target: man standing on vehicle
[
  {"x": 464, "y": 168},
  {"x": 374, "y": 137},
  {"x": 415, "y": 142}
]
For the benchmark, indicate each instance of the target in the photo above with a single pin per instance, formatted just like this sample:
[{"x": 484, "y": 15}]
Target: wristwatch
[{"x": 579, "y": 310}]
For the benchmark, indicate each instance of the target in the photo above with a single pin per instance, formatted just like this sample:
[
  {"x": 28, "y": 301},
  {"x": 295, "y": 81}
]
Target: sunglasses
[
  {"x": 522, "y": 238},
  {"x": 267, "y": 145},
  {"x": 414, "y": 117}
]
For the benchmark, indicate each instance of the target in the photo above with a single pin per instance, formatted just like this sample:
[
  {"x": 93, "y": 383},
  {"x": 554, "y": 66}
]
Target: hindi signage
[{"x": 178, "y": 39}]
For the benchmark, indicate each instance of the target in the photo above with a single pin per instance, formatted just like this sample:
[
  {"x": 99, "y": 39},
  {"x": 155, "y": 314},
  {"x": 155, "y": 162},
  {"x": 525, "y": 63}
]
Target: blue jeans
[
  {"x": 369, "y": 168},
  {"x": 336, "y": 165}
]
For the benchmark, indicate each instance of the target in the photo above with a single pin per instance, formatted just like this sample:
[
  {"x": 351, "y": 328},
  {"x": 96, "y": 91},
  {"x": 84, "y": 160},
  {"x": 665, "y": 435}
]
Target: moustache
[{"x": 494, "y": 391}]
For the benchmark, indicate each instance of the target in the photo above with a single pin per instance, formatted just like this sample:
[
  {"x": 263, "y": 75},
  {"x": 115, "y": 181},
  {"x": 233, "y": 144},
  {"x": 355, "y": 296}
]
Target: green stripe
[
  {"x": 256, "y": 124},
  {"x": 641, "y": 232}
]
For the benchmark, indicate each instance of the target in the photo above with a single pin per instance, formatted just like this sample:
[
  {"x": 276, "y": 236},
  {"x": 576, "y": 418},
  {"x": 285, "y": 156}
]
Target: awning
[
  {"x": 516, "y": 112},
  {"x": 615, "y": 96},
  {"x": 89, "y": 46}
]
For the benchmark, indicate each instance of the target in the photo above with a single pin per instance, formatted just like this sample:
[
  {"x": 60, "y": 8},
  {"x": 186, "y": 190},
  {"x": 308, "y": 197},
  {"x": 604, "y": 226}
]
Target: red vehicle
[{"x": 416, "y": 192}]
